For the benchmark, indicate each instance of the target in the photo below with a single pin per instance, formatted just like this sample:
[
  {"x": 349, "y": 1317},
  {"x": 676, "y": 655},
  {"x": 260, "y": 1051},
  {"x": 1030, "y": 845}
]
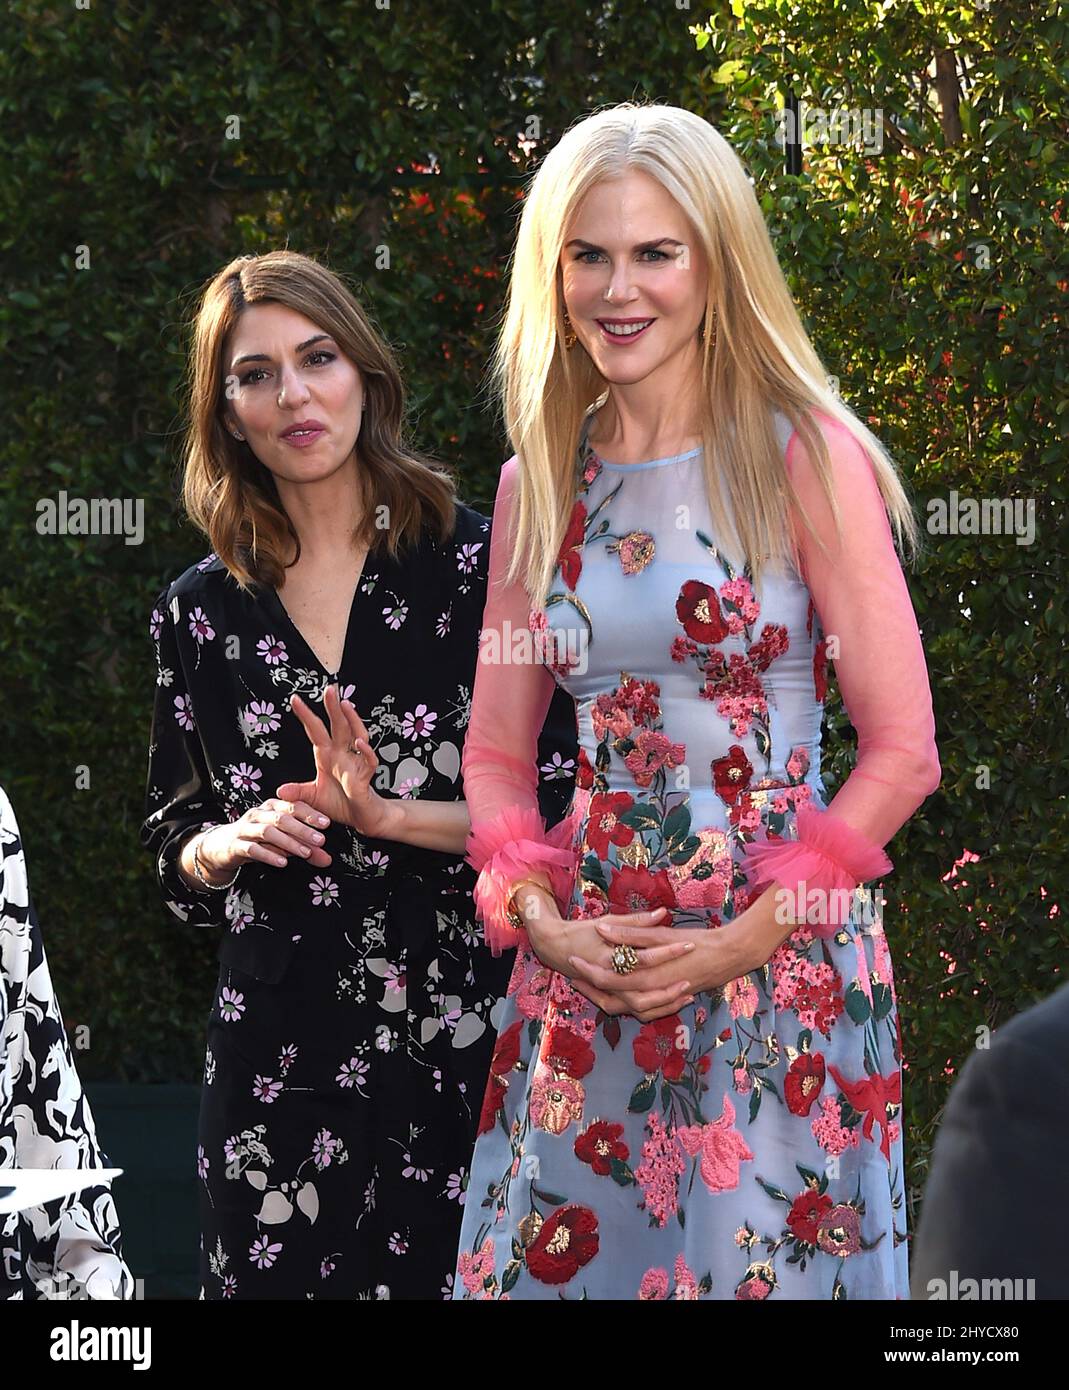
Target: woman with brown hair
[{"x": 351, "y": 1031}]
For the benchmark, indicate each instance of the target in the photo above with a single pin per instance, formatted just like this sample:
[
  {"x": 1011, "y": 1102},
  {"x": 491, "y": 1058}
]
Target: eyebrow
[
  {"x": 642, "y": 246},
  {"x": 263, "y": 356}
]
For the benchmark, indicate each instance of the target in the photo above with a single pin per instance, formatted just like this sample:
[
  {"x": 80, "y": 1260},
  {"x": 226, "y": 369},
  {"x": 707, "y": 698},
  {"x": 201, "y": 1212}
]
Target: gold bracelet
[{"x": 514, "y": 917}]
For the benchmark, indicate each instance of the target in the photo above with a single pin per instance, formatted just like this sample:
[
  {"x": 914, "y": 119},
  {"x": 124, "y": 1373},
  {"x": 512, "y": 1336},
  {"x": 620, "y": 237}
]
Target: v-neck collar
[{"x": 280, "y": 613}]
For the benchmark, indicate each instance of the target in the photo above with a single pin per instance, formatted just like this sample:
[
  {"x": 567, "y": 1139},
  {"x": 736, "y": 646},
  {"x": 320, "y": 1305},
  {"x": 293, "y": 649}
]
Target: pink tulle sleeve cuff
[
  {"x": 515, "y": 844},
  {"x": 827, "y": 855}
]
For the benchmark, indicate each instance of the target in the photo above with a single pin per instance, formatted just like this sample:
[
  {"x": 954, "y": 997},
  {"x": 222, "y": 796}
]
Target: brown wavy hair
[{"x": 230, "y": 495}]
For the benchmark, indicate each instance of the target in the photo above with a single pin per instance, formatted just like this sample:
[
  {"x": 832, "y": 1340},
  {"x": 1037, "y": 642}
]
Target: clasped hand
[{"x": 673, "y": 963}]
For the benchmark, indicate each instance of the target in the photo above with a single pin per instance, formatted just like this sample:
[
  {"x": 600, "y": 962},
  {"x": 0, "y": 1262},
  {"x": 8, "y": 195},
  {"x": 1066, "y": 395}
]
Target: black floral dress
[{"x": 356, "y": 1008}]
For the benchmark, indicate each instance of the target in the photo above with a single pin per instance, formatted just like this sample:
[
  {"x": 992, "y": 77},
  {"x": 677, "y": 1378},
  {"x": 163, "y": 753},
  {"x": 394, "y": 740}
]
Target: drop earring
[{"x": 570, "y": 336}]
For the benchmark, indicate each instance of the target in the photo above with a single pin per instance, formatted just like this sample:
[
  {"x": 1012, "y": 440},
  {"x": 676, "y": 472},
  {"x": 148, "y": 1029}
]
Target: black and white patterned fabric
[{"x": 70, "y": 1247}]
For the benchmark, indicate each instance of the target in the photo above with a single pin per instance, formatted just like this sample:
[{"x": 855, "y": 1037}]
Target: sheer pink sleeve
[
  {"x": 860, "y": 594},
  {"x": 511, "y": 698}
]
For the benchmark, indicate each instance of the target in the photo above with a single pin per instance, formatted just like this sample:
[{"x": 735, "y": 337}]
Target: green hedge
[{"x": 928, "y": 273}]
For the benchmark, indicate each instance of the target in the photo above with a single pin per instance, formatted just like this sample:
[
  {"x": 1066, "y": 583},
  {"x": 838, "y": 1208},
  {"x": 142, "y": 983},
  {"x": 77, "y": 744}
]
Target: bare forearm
[
  {"x": 767, "y": 924},
  {"x": 438, "y": 825}
]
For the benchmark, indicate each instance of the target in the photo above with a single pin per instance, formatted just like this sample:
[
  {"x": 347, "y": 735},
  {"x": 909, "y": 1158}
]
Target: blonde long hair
[
  {"x": 763, "y": 358},
  {"x": 230, "y": 495}
]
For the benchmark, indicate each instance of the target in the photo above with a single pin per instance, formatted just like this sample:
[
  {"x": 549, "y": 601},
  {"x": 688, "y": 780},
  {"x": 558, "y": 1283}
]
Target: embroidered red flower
[
  {"x": 698, "y": 609},
  {"x": 584, "y": 775},
  {"x": 805, "y": 1215},
  {"x": 599, "y": 1144},
  {"x": 567, "y": 1054},
  {"x": 804, "y": 1082},
  {"x": 604, "y": 827},
  {"x": 657, "y": 1048},
  {"x": 731, "y": 774},
  {"x": 871, "y": 1097},
  {"x": 636, "y": 889},
  {"x": 506, "y": 1055},
  {"x": 773, "y": 642},
  {"x": 820, "y": 670},
  {"x": 567, "y": 1241},
  {"x": 570, "y": 558}
]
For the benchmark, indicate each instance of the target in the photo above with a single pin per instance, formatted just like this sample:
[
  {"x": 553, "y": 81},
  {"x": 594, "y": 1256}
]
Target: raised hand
[{"x": 345, "y": 763}]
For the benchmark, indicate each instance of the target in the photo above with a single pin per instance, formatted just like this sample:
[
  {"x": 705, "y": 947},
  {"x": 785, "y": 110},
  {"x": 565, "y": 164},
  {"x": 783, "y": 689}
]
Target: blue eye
[{"x": 649, "y": 251}]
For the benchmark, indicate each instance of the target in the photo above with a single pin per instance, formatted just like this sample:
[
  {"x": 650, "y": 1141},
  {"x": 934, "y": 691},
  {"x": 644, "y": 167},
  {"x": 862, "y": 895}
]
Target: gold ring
[{"x": 624, "y": 960}]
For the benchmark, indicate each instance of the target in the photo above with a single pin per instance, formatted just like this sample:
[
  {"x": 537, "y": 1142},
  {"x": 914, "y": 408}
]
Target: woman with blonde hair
[
  {"x": 351, "y": 1031},
  {"x": 692, "y": 525}
]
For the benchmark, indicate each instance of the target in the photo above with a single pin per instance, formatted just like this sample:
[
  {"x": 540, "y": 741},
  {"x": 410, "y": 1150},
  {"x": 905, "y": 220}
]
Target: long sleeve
[
  {"x": 860, "y": 593},
  {"x": 510, "y": 700},
  {"x": 177, "y": 773}
]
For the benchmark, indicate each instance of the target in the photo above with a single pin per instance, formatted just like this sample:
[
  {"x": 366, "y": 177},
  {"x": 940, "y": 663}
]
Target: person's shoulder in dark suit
[{"x": 993, "y": 1205}]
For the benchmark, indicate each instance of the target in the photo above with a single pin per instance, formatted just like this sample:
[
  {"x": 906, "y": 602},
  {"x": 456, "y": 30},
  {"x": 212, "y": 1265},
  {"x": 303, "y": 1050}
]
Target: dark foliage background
[{"x": 392, "y": 142}]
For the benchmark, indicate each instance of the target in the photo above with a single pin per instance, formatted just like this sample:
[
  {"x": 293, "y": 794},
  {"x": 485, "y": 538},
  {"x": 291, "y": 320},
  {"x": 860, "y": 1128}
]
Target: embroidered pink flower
[
  {"x": 654, "y": 1285},
  {"x": 686, "y": 1289},
  {"x": 828, "y": 1130},
  {"x": 534, "y": 992},
  {"x": 635, "y": 550},
  {"x": 652, "y": 751},
  {"x": 721, "y": 1147},
  {"x": 704, "y": 879},
  {"x": 839, "y": 1232},
  {"x": 556, "y": 1102},
  {"x": 741, "y": 996},
  {"x": 659, "y": 1172},
  {"x": 757, "y": 1285},
  {"x": 741, "y": 608}
]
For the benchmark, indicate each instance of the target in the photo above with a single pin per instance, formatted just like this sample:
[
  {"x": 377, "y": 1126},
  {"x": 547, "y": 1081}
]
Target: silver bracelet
[{"x": 198, "y": 868}]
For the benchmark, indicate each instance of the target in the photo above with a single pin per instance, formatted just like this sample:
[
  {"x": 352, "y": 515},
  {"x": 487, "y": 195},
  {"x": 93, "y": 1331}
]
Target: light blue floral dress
[{"x": 749, "y": 1146}]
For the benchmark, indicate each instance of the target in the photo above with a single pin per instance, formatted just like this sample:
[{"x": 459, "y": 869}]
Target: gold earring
[
  {"x": 701, "y": 332},
  {"x": 570, "y": 336}
]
